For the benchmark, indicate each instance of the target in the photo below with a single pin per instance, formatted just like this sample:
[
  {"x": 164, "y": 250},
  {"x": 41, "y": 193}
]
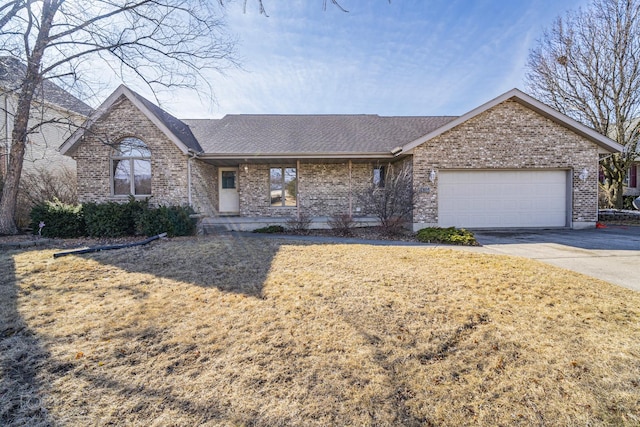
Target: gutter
[{"x": 314, "y": 156}]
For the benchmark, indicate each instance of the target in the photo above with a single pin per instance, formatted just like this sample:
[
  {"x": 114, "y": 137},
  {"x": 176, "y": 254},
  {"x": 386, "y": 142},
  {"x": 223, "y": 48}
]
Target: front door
[{"x": 228, "y": 190}]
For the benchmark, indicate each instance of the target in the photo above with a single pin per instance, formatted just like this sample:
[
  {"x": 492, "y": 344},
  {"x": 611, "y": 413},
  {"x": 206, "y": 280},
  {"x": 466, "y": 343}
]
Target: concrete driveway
[{"x": 611, "y": 254}]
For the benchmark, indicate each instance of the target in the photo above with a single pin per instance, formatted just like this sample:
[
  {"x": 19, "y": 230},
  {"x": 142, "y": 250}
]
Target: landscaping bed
[{"x": 619, "y": 216}]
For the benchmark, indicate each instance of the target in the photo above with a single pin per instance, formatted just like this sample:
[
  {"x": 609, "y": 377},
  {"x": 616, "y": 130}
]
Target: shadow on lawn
[
  {"x": 21, "y": 355},
  {"x": 231, "y": 264}
]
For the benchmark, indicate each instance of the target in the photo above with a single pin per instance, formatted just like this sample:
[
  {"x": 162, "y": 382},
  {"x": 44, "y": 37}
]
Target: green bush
[
  {"x": 60, "y": 219},
  {"x": 113, "y": 219},
  {"x": 627, "y": 202},
  {"x": 173, "y": 220},
  {"x": 270, "y": 229},
  {"x": 451, "y": 236}
]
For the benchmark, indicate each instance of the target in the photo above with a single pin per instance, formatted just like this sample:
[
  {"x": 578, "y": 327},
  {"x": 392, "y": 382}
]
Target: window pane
[
  {"x": 133, "y": 147},
  {"x": 229, "y": 179},
  {"x": 142, "y": 174},
  {"x": 378, "y": 177},
  {"x": 121, "y": 177},
  {"x": 290, "y": 186},
  {"x": 276, "y": 186}
]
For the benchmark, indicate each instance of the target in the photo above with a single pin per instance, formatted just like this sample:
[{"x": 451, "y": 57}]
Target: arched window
[{"x": 131, "y": 168}]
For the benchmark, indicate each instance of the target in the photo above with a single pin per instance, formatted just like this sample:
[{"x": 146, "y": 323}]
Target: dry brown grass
[{"x": 232, "y": 332}]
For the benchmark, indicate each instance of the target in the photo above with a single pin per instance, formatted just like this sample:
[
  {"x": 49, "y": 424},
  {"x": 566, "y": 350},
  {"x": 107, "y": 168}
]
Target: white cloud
[{"x": 406, "y": 58}]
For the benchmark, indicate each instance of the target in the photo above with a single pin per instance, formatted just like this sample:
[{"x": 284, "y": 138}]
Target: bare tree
[
  {"x": 263, "y": 11},
  {"x": 587, "y": 65},
  {"x": 390, "y": 196},
  {"x": 9, "y": 10},
  {"x": 163, "y": 43}
]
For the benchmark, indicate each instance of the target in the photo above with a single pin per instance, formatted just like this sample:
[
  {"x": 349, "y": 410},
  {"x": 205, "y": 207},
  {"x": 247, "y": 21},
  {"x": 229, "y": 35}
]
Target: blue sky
[{"x": 428, "y": 57}]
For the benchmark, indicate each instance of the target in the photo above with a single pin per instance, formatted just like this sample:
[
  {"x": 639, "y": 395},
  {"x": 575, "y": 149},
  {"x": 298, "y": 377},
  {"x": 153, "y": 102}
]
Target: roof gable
[
  {"x": 12, "y": 72},
  {"x": 176, "y": 130},
  {"x": 533, "y": 104}
]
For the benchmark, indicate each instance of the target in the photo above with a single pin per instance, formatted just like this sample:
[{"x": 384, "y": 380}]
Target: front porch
[{"x": 212, "y": 225}]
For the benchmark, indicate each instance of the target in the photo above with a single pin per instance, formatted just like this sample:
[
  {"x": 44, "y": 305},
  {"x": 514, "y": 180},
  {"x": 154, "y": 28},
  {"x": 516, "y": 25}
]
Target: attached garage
[{"x": 503, "y": 198}]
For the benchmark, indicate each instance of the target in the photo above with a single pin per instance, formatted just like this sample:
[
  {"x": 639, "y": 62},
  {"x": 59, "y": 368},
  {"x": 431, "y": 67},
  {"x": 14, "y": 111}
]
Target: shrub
[
  {"x": 113, "y": 219},
  {"x": 270, "y": 229},
  {"x": 299, "y": 223},
  {"x": 174, "y": 220},
  {"x": 451, "y": 235},
  {"x": 181, "y": 221},
  {"x": 391, "y": 197},
  {"x": 341, "y": 224},
  {"x": 627, "y": 202},
  {"x": 40, "y": 185},
  {"x": 60, "y": 219}
]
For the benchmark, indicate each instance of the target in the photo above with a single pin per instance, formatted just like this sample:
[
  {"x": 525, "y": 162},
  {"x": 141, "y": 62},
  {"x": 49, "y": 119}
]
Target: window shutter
[{"x": 633, "y": 176}]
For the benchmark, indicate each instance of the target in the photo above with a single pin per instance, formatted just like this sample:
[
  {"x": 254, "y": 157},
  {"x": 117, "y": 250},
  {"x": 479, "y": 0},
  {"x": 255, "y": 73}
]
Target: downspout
[
  {"x": 350, "y": 193},
  {"x": 298, "y": 189}
]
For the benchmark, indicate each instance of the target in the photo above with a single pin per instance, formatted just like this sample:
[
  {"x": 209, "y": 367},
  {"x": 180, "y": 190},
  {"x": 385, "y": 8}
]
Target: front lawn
[{"x": 223, "y": 331}]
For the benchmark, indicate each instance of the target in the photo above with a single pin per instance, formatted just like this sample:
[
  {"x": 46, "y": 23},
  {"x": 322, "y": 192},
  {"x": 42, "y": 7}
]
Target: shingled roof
[
  {"x": 265, "y": 137},
  {"x": 174, "y": 125},
  {"x": 12, "y": 72},
  {"x": 310, "y": 134}
]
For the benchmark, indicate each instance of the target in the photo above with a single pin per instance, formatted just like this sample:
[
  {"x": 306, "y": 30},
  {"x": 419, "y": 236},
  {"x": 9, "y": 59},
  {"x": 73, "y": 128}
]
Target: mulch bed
[{"x": 21, "y": 241}]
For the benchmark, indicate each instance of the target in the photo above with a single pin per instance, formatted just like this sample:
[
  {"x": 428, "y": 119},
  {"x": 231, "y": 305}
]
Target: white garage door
[{"x": 493, "y": 199}]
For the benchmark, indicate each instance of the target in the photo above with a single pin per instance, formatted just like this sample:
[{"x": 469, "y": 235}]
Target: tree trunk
[
  {"x": 619, "y": 190},
  {"x": 10, "y": 189},
  {"x": 21, "y": 122}
]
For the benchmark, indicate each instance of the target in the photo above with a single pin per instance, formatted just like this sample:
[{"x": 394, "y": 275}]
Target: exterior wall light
[
  {"x": 584, "y": 175},
  {"x": 432, "y": 176}
]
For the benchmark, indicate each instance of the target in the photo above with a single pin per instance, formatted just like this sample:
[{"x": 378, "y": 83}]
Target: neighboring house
[
  {"x": 51, "y": 104},
  {"x": 632, "y": 183},
  {"x": 512, "y": 162}
]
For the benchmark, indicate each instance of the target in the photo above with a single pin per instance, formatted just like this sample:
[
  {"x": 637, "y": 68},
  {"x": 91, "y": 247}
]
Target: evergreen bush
[
  {"x": 451, "y": 236},
  {"x": 60, "y": 219},
  {"x": 113, "y": 219},
  {"x": 173, "y": 220}
]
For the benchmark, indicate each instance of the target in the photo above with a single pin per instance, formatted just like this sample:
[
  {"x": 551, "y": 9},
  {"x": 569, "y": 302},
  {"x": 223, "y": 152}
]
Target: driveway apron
[{"x": 611, "y": 254}]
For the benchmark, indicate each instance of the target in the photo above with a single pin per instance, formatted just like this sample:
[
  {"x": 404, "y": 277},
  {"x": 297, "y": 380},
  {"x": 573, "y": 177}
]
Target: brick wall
[
  {"x": 324, "y": 189},
  {"x": 168, "y": 163},
  {"x": 507, "y": 136},
  {"x": 204, "y": 188}
]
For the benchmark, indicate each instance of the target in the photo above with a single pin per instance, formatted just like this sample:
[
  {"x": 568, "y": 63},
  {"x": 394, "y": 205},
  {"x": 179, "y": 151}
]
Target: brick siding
[
  {"x": 324, "y": 189},
  {"x": 168, "y": 163},
  {"x": 507, "y": 136}
]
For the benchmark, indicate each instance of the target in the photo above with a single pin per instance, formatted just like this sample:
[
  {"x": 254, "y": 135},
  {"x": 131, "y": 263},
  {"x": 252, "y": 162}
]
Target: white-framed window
[
  {"x": 283, "y": 186},
  {"x": 131, "y": 168}
]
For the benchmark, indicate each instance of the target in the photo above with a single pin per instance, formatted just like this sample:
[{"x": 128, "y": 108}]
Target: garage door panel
[{"x": 507, "y": 199}]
